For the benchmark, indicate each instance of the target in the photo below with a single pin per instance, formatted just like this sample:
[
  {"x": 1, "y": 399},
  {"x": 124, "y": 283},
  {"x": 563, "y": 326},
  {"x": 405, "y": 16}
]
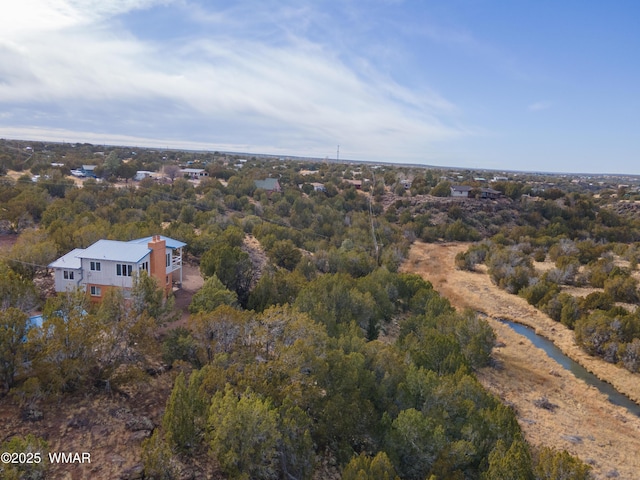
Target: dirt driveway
[{"x": 584, "y": 423}]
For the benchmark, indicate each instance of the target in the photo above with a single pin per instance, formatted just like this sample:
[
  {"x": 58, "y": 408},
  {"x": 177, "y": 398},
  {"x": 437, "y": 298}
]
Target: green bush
[{"x": 539, "y": 293}]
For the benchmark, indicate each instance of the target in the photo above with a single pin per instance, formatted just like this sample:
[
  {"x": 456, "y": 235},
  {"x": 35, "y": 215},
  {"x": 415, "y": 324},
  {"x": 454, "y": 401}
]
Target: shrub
[
  {"x": 539, "y": 293},
  {"x": 622, "y": 289},
  {"x": 596, "y": 301},
  {"x": 630, "y": 355},
  {"x": 511, "y": 270}
]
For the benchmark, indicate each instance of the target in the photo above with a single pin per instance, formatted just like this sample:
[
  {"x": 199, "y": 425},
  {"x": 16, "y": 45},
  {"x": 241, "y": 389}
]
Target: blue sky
[{"x": 521, "y": 85}]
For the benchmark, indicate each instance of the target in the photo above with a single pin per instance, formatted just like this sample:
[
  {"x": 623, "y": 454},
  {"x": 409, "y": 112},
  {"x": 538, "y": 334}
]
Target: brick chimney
[{"x": 158, "y": 263}]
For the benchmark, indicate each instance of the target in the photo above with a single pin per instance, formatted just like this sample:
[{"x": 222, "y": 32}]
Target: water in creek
[{"x": 578, "y": 370}]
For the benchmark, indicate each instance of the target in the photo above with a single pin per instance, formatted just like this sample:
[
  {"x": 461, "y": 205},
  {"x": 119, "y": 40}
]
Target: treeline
[{"x": 270, "y": 394}]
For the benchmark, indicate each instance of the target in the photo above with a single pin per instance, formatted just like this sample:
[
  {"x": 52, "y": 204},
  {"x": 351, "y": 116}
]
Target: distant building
[
  {"x": 356, "y": 183},
  {"x": 194, "y": 173},
  {"x": 88, "y": 171},
  {"x": 460, "y": 191},
  {"x": 142, "y": 174},
  {"x": 268, "y": 184},
  {"x": 490, "y": 193}
]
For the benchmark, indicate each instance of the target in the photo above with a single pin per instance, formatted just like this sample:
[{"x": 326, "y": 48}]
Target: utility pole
[{"x": 338, "y": 154}]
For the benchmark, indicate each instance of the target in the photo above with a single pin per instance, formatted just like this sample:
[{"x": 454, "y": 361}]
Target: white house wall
[
  {"x": 107, "y": 274},
  {"x": 61, "y": 284}
]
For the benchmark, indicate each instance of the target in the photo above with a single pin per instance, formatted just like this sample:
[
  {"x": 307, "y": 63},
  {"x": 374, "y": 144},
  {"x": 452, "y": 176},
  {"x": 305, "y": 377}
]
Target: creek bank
[{"x": 575, "y": 368}]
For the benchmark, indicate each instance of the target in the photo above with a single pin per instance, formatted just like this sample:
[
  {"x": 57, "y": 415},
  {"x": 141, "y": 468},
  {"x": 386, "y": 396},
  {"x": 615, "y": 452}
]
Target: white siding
[
  {"x": 61, "y": 284},
  {"x": 107, "y": 273}
]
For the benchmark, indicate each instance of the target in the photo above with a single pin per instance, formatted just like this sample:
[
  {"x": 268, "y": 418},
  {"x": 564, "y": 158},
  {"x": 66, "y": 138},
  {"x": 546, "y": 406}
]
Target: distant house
[
  {"x": 490, "y": 193},
  {"x": 268, "y": 184},
  {"x": 88, "y": 171},
  {"x": 142, "y": 174},
  {"x": 460, "y": 191},
  {"x": 318, "y": 187},
  {"x": 499, "y": 179},
  {"x": 356, "y": 183},
  {"x": 110, "y": 263},
  {"x": 194, "y": 173}
]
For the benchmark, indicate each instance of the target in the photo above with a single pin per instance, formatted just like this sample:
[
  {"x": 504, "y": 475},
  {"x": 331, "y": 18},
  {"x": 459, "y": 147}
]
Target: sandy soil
[
  {"x": 192, "y": 281},
  {"x": 584, "y": 423}
]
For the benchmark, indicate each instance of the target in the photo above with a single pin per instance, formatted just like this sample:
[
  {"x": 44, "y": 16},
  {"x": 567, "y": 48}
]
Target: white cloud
[
  {"x": 538, "y": 106},
  {"x": 291, "y": 96}
]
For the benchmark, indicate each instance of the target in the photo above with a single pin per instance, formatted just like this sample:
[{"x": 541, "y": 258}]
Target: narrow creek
[{"x": 578, "y": 370}]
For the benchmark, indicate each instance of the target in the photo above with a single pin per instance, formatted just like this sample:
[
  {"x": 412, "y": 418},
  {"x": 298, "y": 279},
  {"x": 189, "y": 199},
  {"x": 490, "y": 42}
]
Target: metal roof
[
  {"x": 171, "y": 242},
  {"x": 71, "y": 260},
  {"x": 116, "y": 251}
]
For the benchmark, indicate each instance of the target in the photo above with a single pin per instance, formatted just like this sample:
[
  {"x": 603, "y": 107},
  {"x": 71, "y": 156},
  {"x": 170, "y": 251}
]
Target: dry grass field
[{"x": 584, "y": 423}]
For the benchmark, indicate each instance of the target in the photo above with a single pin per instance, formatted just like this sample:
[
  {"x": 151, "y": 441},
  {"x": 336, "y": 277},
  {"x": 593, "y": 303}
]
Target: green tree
[
  {"x": 15, "y": 291},
  {"x": 442, "y": 189},
  {"x": 180, "y": 345},
  {"x": 221, "y": 331},
  {"x": 363, "y": 467},
  {"x": 295, "y": 447},
  {"x": 622, "y": 288},
  {"x": 184, "y": 418},
  {"x": 476, "y": 338},
  {"x": 414, "y": 444},
  {"x": 513, "y": 463},
  {"x": 126, "y": 170},
  {"x": 551, "y": 464},
  {"x": 13, "y": 326},
  {"x": 148, "y": 296},
  {"x": 285, "y": 254},
  {"x": 275, "y": 288},
  {"x": 125, "y": 335},
  {"x": 31, "y": 252},
  {"x": 157, "y": 459},
  {"x": 244, "y": 434},
  {"x": 63, "y": 351},
  {"x": 212, "y": 294},
  {"x": 21, "y": 471},
  {"x": 232, "y": 266}
]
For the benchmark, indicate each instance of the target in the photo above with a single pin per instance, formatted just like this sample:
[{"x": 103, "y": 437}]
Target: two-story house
[{"x": 111, "y": 263}]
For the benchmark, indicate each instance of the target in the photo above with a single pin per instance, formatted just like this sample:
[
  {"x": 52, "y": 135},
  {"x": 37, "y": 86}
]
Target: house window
[
  {"x": 168, "y": 259},
  {"x": 95, "y": 266},
  {"x": 144, "y": 266},
  {"x": 68, "y": 275},
  {"x": 95, "y": 291},
  {"x": 123, "y": 269}
]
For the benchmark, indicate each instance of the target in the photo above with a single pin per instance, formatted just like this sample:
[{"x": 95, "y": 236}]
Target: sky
[{"x": 508, "y": 85}]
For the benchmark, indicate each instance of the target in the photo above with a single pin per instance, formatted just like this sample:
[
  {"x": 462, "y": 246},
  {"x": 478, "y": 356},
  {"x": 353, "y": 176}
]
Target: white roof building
[{"x": 112, "y": 263}]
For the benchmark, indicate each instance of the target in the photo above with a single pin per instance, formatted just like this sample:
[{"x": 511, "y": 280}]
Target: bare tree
[{"x": 172, "y": 171}]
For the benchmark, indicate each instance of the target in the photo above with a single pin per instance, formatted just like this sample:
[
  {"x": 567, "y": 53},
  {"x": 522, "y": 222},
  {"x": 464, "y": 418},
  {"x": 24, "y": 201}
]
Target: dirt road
[{"x": 584, "y": 423}]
